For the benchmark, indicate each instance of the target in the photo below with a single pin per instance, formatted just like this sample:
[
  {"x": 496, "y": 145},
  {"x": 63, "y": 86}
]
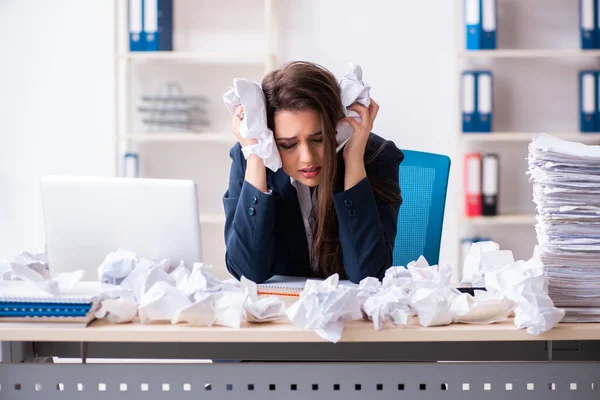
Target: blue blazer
[{"x": 265, "y": 236}]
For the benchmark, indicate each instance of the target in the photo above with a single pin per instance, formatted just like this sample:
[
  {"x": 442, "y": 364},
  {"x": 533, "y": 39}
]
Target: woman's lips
[{"x": 311, "y": 172}]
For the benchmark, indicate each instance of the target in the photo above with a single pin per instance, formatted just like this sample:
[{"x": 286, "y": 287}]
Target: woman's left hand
[{"x": 354, "y": 150}]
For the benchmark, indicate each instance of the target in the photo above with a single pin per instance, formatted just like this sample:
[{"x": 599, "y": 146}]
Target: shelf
[
  {"x": 507, "y": 219},
  {"x": 225, "y": 138},
  {"x": 526, "y": 136},
  {"x": 257, "y": 58},
  {"x": 530, "y": 53},
  {"x": 212, "y": 218}
]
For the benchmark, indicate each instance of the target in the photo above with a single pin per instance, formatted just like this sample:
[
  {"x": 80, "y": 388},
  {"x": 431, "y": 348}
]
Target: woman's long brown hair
[{"x": 300, "y": 86}]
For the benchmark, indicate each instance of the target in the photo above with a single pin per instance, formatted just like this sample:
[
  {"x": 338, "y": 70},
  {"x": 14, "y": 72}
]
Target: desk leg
[{"x": 16, "y": 352}]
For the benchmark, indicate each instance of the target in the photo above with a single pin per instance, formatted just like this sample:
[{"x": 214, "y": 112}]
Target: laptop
[{"x": 86, "y": 218}]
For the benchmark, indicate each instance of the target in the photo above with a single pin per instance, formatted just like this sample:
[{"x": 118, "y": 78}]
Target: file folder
[
  {"x": 473, "y": 24},
  {"x": 158, "y": 25},
  {"x": 490, "y": 183},
  {"x": 597, "y": 99},
  {"x": 135, "y": 22},
  {"x": 587, "y": 23},
  {"x": 489, "y": 20},
  {"x": 472, "y": 185},
  {"x": 485, "y": 93},
  {"x": 588, "y": 99},
  {"x": 468, "y": 102}
]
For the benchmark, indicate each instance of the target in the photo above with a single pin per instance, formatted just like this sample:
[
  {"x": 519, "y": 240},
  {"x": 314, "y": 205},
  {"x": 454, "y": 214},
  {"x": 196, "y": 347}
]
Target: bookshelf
[
  {"x": 207, "y": 54},
  {"x": 535, "y": 68}
]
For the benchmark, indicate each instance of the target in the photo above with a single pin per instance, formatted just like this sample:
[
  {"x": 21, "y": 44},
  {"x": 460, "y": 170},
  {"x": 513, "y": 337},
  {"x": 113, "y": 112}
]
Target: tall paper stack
[{"x": 566, "y": 190}]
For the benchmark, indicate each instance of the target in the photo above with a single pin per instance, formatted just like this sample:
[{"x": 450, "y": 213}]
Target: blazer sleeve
[
  {"x": 367, "y": 226},
  {"x": 249, "y": 225}
]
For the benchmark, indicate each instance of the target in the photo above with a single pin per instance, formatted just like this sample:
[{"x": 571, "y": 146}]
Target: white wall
[{"x": 56, "y": 105}]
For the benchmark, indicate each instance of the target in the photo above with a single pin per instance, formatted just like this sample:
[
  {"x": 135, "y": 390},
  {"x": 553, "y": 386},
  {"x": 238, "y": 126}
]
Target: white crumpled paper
[
  {"x": 161, "y": 302},
  {"x": 254, "y": 124},
  {"x": 389, "y": 304},
  {"x": 117, "y": 306},
  {"x": 397, "y": 276},
  {"x": 431, "y": 302},
  {"x": 33, "y": 269},
  {"x": 483, "y": 308},
  {"x": 261, "y": 309},
  {"x": 484, "y": 257},
  {"x": 420, "y": 270},
  {"x": 353, "y": 90},
  {"x": 213, "y": 308},
  {"x": 324, "y": 306},
  {"x": 525, "y": 284},
  {"x": 162, "y": 292}
]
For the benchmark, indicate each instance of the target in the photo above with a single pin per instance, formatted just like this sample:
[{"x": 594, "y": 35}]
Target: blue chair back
[{"x": 423, "y": 181}]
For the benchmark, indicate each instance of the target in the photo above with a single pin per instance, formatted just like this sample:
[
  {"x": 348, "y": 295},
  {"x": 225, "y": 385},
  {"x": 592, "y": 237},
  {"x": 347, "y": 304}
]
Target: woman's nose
[{"x": 306, "y": 155}]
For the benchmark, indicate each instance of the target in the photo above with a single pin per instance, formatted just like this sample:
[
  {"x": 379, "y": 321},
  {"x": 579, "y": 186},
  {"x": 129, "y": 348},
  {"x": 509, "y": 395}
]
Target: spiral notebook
[
  {"x": 280, "y": 285},
  {"x": 23, "y": 303}
]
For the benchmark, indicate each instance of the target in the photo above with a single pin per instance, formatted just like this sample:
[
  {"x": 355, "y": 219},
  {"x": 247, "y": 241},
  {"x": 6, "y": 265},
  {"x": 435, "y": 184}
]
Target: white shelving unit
[
  {"x": 514, "y": 224},
  {"x": 212, "y": 145},
  {"x": 504, "y": 219},
  {"x": 225, "y": 138},
  {"x": 124, "y": 59},
  {"x": 527, "y": 136}
]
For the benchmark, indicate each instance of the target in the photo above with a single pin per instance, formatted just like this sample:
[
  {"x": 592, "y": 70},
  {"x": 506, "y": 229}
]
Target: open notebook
[
  {"x": 20, "y": 302},
  {"x": 280, "y": 285}
]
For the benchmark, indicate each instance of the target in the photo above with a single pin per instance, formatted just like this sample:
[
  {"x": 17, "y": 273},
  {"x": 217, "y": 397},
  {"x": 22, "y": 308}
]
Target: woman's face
[{"x": 300, "y": 142}]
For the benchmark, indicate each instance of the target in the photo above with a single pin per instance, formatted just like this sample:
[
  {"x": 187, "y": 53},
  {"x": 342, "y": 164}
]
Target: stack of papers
[{"x": 566, "y": 190}]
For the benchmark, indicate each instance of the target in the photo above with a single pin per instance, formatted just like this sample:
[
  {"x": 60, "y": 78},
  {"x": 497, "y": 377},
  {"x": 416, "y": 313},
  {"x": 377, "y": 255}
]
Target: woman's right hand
[{"x": 238, "y": 116}]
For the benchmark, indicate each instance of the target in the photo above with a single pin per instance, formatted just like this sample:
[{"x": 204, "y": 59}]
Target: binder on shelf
[
  {"x": 158, "y": 25},
  {"x": 473, "y": 24},
  {"x": 485, "y": 94},
  {"x": 490, "y": 183},
  {"x": 489, "y": 21},
  {"x": 597, "y": 99},
  {"x": 131, "y": 168},
  {"x": 472, "y": 185},
  {"x": 135, "y": 24},
  {"x": 588, "y": 99},
  {"x": 588, "y": 20},
  {"x": 468, "y": 101}
]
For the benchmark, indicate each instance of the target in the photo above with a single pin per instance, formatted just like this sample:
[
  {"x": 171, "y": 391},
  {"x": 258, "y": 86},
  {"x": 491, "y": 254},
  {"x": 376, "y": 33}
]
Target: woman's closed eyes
[{"x": 289, "y": 145}]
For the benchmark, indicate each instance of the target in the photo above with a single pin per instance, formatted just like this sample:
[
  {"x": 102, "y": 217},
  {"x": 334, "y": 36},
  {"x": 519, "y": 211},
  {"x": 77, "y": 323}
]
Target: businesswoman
[{"x": 324, "y": 211}]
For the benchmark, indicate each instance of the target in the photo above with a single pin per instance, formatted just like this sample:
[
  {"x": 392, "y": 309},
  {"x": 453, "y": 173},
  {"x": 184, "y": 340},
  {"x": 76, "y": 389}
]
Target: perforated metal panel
[{"x": 301, "y": 381}]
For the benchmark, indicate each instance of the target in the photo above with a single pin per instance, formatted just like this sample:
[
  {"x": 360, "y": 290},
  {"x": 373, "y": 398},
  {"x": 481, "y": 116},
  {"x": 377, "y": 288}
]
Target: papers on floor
[{"x": 566, "y": 190}]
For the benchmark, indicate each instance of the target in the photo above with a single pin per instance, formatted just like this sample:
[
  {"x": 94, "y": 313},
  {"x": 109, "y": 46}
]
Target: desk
[{"x": 392, "y": 363}]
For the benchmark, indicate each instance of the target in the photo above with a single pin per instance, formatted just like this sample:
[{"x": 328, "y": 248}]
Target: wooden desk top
[{"x": 285, "y": 332}]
